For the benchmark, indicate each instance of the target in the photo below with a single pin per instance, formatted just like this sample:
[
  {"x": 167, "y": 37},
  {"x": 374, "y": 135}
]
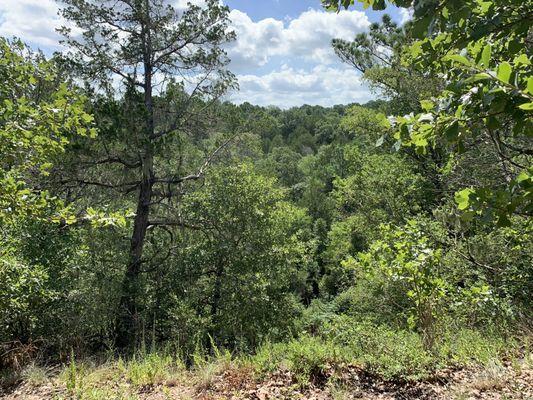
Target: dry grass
[{"x": 159, "y": 377}]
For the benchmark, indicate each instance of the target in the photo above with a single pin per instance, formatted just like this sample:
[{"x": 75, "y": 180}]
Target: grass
[
  {"x": 150, "y": 369},
  {"x": 34, "y": 375},
  {"x": 209, "y": 364},
  {"x": 468, "y": 347},
  {"x": 308, "y": 358},
  {"x": 320, "y": 359},
  {"x": 123, "y": 379},
  {"x": 120, "y": 379}
]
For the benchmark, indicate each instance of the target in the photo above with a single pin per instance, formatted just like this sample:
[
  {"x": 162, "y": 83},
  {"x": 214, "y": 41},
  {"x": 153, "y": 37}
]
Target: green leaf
[
  {"x": 451, "y": 132},
  {"x": 458, "y": 58},
  {"x": 462, "y": 198},
  {"x": 427, "y": 105},
  {"x": 526, "y": 106},
  {"x": 416, "y": 49},
  {"x": 504, "y": 72},
  {"x": 420, "y": 26},
  {"x": 522, "y": 59},
  {"x": 366, "y": 3},
  {"x": 485, "y": 55},
  {"x": 530, "y": 85},
  {"x": 478, "y": 77},
  {"x": 523, "y": 176}
]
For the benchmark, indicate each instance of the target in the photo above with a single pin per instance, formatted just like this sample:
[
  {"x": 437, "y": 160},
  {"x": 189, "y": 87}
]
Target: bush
[
  {"x": 464, "y": 347},
  {"x": 398, "y": 353},
  {"x": 307, "y": 357},
  {"x": 389, "y": 353}
]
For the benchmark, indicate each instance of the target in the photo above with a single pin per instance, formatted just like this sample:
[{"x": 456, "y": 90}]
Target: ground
[{"x": 508, "y": 381}]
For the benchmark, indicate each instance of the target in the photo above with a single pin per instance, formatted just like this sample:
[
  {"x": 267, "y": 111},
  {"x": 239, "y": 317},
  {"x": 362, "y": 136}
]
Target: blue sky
[{"x": 282, "y": 55}]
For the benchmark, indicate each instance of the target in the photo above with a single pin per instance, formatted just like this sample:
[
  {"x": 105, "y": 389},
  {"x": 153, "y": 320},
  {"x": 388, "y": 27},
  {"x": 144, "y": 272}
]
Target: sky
[{"x": 282, "y": 55}]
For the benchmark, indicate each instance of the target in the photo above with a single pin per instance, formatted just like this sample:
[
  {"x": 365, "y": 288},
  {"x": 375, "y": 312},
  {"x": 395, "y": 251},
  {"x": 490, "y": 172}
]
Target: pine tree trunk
[{"x": 129, "y": 323}]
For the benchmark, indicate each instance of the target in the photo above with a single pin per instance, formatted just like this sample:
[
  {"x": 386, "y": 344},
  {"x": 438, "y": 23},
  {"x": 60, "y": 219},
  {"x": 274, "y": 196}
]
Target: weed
[
  {"x": 208, "y": 366},
  {"x": 150, "y": 369},
  {"x": 34, "y": 375}
]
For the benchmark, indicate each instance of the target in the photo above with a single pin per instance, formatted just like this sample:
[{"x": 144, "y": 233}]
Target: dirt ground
[{"x": 498, "y": 383}]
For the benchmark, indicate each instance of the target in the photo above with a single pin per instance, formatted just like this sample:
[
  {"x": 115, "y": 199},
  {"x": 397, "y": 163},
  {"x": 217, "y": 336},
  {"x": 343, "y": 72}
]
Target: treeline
[{"x": 145, "y": 209}]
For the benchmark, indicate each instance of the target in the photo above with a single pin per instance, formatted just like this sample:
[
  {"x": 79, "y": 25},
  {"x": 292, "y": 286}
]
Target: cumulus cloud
[
  {"x": 308, "y": 36},
  {"x": 311, "y": 74},
  {"x": 287, "y": 87},
  {"x": 34, "y": 21},
  {"x": 181, "y": 5},
  {"x": 312, "y": 31}
]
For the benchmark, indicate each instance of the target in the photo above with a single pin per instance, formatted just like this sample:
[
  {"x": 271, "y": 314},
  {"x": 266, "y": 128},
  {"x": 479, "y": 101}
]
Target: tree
[
  {"x": 245, "y": 256},
  {"x": 407, "y": 257},
  {"x": 482, "y": 51},
  {"x": 486, "y": 104},
  {"x": 377, "y": 55},
  {"x": 39, "y": 116},
  {"x": 364, "y": 127},
  {"x": 150, "y": 46},
  {"x": 377, "y": 189}
]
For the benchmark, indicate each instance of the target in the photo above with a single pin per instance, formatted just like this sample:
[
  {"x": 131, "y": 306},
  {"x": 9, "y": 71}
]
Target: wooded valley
[{"x": 151, "y": 228}]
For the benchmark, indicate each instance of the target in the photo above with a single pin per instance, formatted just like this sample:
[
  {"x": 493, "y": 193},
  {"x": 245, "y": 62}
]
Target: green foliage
[
  {"x": 149, "y": 369},
  {"x": 384, "y": 351},
  {"x": 244, "y": 256},
  {"x": 307, "y": 357},
  {"x": 38, "y": 117},
  {"x": 378, "y": 188},
  {"x": 486, "y": 69},
  {"x": 24, "y": 290},
  {"x": 408, "y": 258},
  {"x": 468, "y": 347},
  {"x": 364, "y": 126},
  {"x": 294, "y": 235},
  {"x": 486, "y": 98}
]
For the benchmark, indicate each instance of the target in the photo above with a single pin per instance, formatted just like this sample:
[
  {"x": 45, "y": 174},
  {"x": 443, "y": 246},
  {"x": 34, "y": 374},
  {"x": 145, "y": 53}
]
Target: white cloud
[
  {"x": 184, "y": 4},
  {"x": 34, "y": 21},
  {"x": 307, "y": 37},
  {"x": 287, "y": 87},
  {"x": 406, "y": 14},
  {"x": 312, "y": 75},
  {"x": 256, "y": 42},
  {"x": 311, "y": 33}
]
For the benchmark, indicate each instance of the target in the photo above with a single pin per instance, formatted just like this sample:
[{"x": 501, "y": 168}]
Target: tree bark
[{"x": 129, "y": 324}]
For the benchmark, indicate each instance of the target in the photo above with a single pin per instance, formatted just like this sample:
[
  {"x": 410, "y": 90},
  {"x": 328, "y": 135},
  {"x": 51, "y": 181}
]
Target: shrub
[
  {"x": 307, "y": 357},
  {"x": 382, "y": 350},
  {"x": 464, "y": 347}
]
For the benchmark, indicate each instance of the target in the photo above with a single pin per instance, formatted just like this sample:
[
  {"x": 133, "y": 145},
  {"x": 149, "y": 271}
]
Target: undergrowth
[
  {"x": 390, "y": 354},
  {"x": 387, "y": 354}
]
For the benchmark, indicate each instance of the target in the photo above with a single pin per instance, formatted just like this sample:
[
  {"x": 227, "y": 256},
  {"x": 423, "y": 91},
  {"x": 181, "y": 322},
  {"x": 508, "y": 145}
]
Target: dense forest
[{"x": 145, "y": 219}]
